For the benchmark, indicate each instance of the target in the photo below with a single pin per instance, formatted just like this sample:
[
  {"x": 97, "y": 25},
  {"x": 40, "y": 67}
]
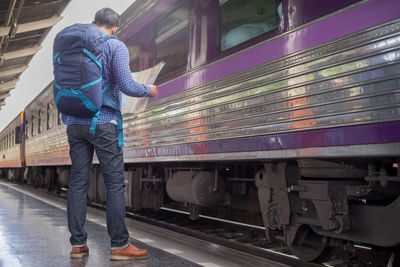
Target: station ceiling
[{"x": 24, "y": 24}]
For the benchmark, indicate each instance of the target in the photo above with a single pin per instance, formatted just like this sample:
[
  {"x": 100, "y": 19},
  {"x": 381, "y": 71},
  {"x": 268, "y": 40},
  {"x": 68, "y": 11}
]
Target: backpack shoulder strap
[{"x": 110, "y": 101}]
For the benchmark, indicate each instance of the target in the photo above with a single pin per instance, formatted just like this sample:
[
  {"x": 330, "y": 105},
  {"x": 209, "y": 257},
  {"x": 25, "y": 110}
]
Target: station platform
[{"x": 34, "y": 232}]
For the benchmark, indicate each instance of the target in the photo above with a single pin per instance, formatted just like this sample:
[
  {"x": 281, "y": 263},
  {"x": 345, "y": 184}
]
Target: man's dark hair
[{"x": 107, "y": 17}]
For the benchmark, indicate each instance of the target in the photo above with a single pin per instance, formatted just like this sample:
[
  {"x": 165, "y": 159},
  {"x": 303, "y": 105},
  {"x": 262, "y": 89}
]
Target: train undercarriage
[{"x": 309, "y": 205}]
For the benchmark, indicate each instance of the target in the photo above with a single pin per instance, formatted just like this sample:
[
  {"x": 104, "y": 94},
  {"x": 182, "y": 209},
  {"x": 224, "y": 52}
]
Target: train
[{"x": 277, "y": 113}]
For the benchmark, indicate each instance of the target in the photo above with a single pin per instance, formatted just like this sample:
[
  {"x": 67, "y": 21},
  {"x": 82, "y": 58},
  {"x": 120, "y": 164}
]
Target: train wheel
[{"x": 308, "y": 245}]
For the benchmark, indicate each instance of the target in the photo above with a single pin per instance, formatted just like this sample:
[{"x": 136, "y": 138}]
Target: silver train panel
[
  {"x": 10, "y": 153},
  {"x": 355, "y": 80},
  {"x": 51, "y": 146}
]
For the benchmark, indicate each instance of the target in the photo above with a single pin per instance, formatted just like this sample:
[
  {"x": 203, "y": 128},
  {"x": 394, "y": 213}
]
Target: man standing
[{"x": 116, "y": 73}]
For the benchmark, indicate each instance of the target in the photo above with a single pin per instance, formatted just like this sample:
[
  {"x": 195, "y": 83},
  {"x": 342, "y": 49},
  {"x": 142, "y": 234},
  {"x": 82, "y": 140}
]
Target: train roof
[
  {"x": 135, "y": 11},
  {"x": 24, "y": 26}
]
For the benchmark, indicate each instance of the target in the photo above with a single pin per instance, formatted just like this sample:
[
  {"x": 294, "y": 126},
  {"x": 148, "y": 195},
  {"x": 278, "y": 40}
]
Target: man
[{"x": 116, "y": 73}]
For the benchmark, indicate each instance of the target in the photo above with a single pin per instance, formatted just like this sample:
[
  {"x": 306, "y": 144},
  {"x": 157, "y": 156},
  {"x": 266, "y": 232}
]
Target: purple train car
[
  {"x": 277, "y": 113},
  {"x": 293, "y": 103}
]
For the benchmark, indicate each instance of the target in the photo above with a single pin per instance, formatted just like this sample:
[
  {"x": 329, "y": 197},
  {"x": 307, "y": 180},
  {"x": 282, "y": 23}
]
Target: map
[{"x": 138, "y": 104}]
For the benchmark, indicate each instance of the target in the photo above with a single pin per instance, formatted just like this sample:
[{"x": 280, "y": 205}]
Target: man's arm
[{"x": 123, "y": 77}]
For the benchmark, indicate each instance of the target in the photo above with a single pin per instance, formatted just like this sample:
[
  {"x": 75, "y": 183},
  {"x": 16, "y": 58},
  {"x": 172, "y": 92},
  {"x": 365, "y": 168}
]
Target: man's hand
[{"x": 154, "y": 90}]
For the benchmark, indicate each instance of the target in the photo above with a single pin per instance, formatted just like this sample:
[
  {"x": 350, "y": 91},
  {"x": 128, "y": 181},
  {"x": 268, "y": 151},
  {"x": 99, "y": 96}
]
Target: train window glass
[
  {"x": 172, "y": 41},
  {"x": 50, "y": 116},
  {"x": 13, "y": 138},
  {"x": 17, "y": 135},
  {"x": 7, "y": 141},
  {"x": 133, "y": 56},
  {"x": 40, "y": 121},
  {"x": 59, "y": 121},
  {"x": 33, "y": 132},
  {"x": 242, "y": 20},
  {"x": 26, "y": 129}
]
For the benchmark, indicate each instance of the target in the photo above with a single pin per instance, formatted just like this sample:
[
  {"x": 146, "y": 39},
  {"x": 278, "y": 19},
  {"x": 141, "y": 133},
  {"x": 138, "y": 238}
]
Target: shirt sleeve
[{"x": 122, "y": 75}]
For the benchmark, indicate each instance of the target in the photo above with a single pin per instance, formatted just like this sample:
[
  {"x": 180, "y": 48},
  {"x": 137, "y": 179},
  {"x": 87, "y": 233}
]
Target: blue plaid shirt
[{"x": 116, "y": 72}]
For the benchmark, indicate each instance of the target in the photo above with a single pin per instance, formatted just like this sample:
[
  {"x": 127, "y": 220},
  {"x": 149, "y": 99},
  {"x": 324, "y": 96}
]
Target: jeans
[{"x": 82, "y": 145}]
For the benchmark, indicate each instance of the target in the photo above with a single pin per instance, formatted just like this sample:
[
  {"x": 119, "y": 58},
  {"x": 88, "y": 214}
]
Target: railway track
[
  {"x": 241, "y": 237},
  {"x": 251, "y": 239}
]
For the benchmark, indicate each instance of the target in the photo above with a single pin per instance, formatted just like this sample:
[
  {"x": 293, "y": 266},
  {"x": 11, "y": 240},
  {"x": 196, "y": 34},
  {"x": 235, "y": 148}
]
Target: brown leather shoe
[
  {"x": 128, "y": 253},
  {"x": 79, "y": 252}
]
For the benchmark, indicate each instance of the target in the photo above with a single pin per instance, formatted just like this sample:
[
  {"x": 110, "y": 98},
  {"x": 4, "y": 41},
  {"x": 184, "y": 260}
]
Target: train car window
[
  {"x": 33, "y": 132},
  {"x": 242, "y": 20},
  {"x": 26, "y": 129},
  {"x": 40, "y": 121},
  {"x": 7, "y": 141},
  {"x": 50, "y": 116},
  {"x": 133, "y": 56},
  {"x": 13, "y": 138},
  {"x": 172, "y": 41},
  {"x": 59, "y": 121},
  {"x": 17, "y": 135}
]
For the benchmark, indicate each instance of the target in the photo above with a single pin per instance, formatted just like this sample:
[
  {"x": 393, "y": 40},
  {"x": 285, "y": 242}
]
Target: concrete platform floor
[{"x": 34, "y": 232}]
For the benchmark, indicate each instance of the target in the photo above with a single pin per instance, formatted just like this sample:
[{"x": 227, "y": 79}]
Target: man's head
[{"x": 107, "y": 20}]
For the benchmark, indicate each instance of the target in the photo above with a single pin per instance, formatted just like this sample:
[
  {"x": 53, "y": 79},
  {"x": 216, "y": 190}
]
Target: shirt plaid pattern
[{"x": 116, "y": 72}]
